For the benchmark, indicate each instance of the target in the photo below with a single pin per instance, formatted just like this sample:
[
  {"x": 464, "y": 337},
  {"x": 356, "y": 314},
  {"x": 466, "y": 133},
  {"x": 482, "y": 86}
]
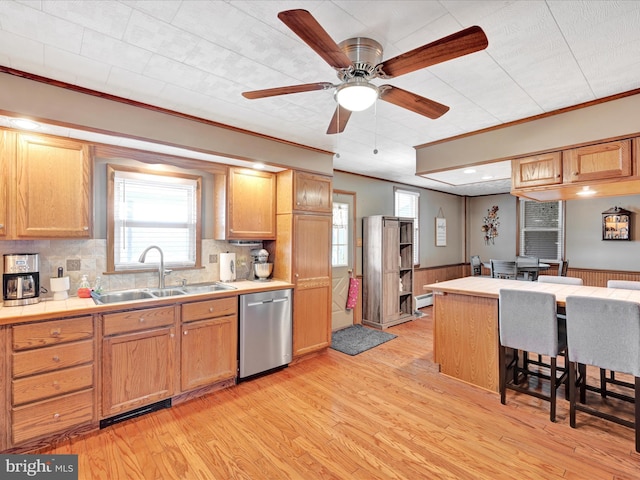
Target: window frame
[
  {"x": 560, "y": 252},
  {"x": 111, "y": 169},
  {"x": 416, "y": 219},
  {"x": 346, "y": 246}
]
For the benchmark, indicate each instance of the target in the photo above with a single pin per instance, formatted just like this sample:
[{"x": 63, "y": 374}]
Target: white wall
[
  {"x": 584, "y": 245},
  {"x": 504, "y": 245},
  {"x": 375, "y": 197}
]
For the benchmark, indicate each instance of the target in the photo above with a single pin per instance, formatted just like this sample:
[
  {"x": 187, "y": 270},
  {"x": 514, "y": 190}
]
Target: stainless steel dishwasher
[{"x": 265, "y": 336}]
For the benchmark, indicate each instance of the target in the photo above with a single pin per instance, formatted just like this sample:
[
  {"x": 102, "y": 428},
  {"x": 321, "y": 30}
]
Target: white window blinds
[
  {"x": 154, "y": 210},
  {"x": 542, "y": 229},
  {"x": 406, "y": 205}
]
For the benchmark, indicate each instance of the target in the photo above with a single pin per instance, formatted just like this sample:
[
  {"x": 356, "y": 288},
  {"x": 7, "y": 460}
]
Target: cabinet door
[
  {"x": 390, "y": 270},
  {"x": 53, "y": 188},
  {"x": 7, "y": 146},
  {"x": 312, "y": 192},
  {"x": 545, "y": 169},
  {"x": 596, "y": 162},
  {"x": 209, "y": 351},
  {"x": 137, "y": 369},
  {"x": 312, "y": 279},
  {"x": 251, "y": 205}
]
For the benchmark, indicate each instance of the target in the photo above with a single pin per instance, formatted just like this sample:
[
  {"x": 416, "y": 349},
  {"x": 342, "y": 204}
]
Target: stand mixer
[{"x": 261, "y": 268}]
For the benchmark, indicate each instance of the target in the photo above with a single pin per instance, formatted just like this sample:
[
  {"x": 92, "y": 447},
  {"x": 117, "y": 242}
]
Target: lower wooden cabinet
[
  {"x": 138, "y": 362},
  {"x": 208, "y": 342},
  {"x": 53, "y": 374}
]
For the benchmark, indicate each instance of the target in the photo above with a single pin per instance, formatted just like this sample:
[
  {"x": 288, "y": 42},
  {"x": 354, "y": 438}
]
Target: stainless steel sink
[
  {"x": 167, "y": 292},
  {"x": 122, "y": 296},
  {"x": 149, "y": 293},
  {"x": 207, "y": 287}
]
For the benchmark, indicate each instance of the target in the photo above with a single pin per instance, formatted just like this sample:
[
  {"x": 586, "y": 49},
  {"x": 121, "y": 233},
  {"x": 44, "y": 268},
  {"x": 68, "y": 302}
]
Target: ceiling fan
[{"x": 359, "y": 60}]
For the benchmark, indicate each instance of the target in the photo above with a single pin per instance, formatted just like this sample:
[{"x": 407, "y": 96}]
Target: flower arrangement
[{"x": 490, "y": 225}]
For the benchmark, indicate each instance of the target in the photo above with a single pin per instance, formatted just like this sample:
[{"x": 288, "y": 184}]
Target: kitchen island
[{"x": 466, "y": 337}]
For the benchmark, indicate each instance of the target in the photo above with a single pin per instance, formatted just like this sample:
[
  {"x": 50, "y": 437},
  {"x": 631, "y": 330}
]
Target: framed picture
[
  {"x": 616, "y": 224},
  {"x": 441, "y": 232}
]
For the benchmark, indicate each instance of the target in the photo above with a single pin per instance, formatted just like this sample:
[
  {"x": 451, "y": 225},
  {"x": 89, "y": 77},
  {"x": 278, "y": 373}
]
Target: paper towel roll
[{"x": 227, "y": 267}]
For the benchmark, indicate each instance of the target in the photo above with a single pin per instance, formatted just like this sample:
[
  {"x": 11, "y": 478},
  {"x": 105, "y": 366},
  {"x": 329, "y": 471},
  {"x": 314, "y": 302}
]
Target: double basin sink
[{"x": 150, "y": 293}]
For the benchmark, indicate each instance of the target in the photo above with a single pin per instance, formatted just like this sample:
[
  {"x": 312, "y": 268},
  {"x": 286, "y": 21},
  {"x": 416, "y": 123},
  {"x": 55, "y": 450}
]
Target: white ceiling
[{"x": 197, "y": 57}]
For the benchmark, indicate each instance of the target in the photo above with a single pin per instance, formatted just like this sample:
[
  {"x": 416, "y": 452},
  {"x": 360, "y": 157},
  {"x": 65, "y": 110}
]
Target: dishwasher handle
[{"x": 270, "y": 300}]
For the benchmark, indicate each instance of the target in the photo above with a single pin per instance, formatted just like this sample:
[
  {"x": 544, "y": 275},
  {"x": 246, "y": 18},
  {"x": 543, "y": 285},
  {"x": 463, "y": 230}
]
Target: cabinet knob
[
  {"x": 56, "y": 358},
  {"x": 185, "y": 332},
  {"x": 55, "y": 385},
  {"x": 56, "y": 416},
  {"x": 210, "y": 309},
  {"x": 575, "y": 174},
  {"x": 171, "y": 335},
  {"x": 1, "y": 225},
  {"x": 296, "y": 275},
  {"x": 141, "y": 319},
  {"x": 85, "y": 228},
  {"x": 55, "y": 333}
]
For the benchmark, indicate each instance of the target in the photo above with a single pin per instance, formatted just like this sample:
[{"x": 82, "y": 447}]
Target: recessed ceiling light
[
  {"x": 469, "y": 170},
  {"x": 24, "y": 123},
  {"x": 487, "y": 177}
]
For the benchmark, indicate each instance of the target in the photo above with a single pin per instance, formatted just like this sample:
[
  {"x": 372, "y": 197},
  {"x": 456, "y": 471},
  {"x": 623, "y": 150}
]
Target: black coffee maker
[{"x": 21, "y": 279}]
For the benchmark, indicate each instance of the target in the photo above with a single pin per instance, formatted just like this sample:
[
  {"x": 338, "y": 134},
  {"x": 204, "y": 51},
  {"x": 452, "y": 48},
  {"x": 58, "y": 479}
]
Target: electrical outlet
[
  {"x": 213, "y": 258},
  {"x": 73, "y": 265}
]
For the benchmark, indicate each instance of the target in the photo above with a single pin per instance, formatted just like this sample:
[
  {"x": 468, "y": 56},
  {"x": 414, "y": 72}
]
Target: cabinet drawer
[
  {"x": 135, "y": 320},
  {"x": 48, "y": 385},
  {"x": 51, "y": 416},
  {"x": 42, "y": 334},
  {"x": 209, "y": 309},
  {"x": 52, "y": 358}
]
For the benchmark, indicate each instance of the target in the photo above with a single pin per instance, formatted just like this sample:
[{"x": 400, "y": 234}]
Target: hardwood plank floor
[{"x": 384, "y": 414}]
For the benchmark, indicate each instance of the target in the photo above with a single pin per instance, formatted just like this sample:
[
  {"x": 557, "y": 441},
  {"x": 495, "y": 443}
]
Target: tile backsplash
[{"x": 92, "y": 256}]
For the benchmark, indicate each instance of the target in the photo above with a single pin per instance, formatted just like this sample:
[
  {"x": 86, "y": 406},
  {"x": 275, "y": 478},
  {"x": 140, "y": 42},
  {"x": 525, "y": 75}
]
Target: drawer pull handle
[
  {"x": 210, "y": 309},
  {"x": 185, "y": 332},
  {"x": 56, "y": 358},
  {"x": 56, "y": 416},
  {"x": 55, "y": 333}
]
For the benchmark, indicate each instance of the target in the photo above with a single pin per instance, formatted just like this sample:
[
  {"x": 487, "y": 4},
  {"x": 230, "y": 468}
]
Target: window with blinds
[
  {"x": 340, "y": 235},
  {"x": 406, "y": 203},
  {"x": 155, "y": 209},
  {"x": 542, "y": 229}
]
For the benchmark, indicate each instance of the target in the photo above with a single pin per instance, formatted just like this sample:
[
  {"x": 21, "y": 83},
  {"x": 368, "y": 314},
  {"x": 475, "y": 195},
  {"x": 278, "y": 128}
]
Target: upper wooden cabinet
[
  {"x": 45, "y": 188},
  {"x": 304, "y": 192},
  {"x": 545, "y": 169},
  {"x": 245, "y": 205},
  {"x": 597, "y": 162}
]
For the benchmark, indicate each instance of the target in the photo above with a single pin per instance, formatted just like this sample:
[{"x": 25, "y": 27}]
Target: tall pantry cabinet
[
  {"x": 387, "y": 270},
  {"x": 302, "y": 255}
]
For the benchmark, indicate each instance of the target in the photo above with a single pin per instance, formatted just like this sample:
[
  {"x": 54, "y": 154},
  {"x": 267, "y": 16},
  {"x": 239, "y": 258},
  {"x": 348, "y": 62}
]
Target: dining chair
[
  {"x": 527, "y": 322},
  {"x": 628, "y": 284},
  {"x": 503, "y": 269},
  {"x": 563, "y": 268},
  {"x": 609, "y": 377},
  {"x": 556, "y": 279},
  {"x": 605, "y": 333},
  {"x": 527, "y": 267},
  {"x": 476, "y": 265}
]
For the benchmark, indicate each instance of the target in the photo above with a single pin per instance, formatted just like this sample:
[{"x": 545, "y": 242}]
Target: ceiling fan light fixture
[{"x": 356, "y": 94}]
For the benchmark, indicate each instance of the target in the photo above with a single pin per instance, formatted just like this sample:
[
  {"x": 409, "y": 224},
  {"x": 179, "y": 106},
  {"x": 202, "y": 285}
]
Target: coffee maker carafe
[{"x": 21, "y": 279}]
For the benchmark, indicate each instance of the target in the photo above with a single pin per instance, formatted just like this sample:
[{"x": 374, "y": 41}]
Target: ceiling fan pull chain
[{"x": 375, "y": 127}]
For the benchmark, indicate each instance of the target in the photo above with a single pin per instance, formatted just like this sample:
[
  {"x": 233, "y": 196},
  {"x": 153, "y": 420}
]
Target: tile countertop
[{"x": 73, "y": 306}]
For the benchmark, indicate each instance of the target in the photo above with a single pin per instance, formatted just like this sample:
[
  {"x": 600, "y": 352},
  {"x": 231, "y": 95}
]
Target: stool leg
[
  {"x": 553, "y": 387},
  {"x": 502, "y": 366},
  {"x": 603, "y": 383},
  {"x": 637, "y": 413},
  {"x": 572, "y": 394}
]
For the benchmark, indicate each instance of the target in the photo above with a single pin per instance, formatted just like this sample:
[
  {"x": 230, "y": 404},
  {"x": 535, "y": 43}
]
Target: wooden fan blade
[
  {"x": 413, "y": 102},
  {"x": 302, "y": 23},
  {"x": 339, "y": 120},
  {"x": 466, "y": 41},
  {"x": 272, "y": 92}
]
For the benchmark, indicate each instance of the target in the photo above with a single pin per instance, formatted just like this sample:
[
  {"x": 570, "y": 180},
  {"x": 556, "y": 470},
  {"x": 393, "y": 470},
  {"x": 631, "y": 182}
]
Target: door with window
[{"x": 342, "y": 257}]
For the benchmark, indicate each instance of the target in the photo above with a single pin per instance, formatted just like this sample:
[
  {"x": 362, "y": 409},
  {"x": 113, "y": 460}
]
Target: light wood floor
[{"x": 384, "y": 414}]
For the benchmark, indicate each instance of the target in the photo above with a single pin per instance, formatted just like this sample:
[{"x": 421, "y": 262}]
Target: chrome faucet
[{"x": 161, "y": 271}]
